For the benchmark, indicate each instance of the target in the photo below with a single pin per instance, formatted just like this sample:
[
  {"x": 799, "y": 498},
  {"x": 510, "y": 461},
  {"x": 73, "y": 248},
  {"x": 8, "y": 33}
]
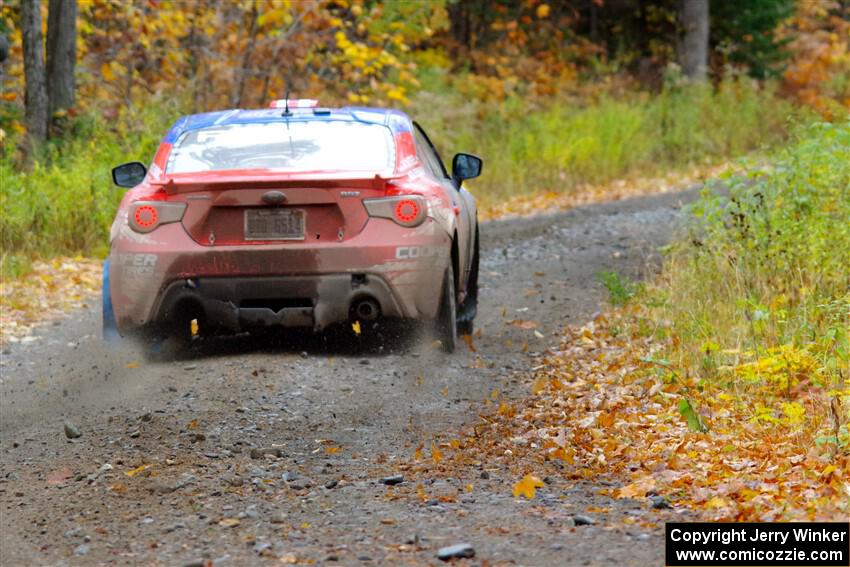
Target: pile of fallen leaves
[
  {"x": 537, "y": 203},
  {"x": 51, "y": 289},
  {"x": 603, "y": 406}
]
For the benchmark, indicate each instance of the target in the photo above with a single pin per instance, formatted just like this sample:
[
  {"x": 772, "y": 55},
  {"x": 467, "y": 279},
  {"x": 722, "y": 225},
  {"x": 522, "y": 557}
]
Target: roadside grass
[
  {"x": 63, "y": 203},
  {"x": 761, "y": 285},
  {"x": 724, "y": 385},
  {"x": 620, "y": 290},
  {"x": 564, "y": 144}
]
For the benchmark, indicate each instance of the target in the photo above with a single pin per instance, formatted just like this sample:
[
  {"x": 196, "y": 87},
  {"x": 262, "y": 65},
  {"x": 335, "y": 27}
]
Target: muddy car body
[{"x": 293, "y": 217}]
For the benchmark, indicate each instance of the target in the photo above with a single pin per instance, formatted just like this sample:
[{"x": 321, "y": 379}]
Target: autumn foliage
[{"x": 722, "y": 387}]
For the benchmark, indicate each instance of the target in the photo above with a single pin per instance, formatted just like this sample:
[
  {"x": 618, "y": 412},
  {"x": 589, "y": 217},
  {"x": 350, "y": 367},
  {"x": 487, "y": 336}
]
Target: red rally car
[{"x": 292, "y": 216}]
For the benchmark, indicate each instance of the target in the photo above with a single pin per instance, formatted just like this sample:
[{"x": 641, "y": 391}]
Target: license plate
[{"x": 274, "y": 224}]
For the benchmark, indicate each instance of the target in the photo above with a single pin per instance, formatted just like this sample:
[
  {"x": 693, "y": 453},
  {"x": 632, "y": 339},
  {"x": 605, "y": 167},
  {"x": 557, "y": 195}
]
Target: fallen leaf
[
  {"x": 436, "y": 455},
  {"x": 525, "y": 487},
  {"x": 229, "y": 522},
  {"x": 468, "y": 340},
  {"x": 717, "y": 502},
  {"x": 356, "y": 327},
  {"x": 637, "y": 489},
  {"x": 137, "y": 470}
]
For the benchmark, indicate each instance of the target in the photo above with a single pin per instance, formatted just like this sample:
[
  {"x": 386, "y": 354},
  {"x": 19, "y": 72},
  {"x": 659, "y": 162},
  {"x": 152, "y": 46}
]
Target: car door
[{"x": 462, "y": 200}]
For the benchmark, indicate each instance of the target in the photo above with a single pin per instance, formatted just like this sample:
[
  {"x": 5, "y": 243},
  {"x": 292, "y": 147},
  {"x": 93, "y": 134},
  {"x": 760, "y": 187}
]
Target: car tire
[
  {"x": 466, "y": 317},
  {"x": 109, "y": 327},
  {"x": 446, "y": 324}
]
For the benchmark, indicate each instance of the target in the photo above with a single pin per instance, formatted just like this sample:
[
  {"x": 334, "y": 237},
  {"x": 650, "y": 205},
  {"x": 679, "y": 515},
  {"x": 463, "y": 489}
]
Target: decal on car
[
  {"x": 416, "y": 252},
  {"x": 137, "y": 264}
]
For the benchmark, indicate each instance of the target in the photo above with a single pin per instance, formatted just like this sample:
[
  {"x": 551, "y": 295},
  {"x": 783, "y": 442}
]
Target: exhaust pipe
[{"x": 367, "y": 309}]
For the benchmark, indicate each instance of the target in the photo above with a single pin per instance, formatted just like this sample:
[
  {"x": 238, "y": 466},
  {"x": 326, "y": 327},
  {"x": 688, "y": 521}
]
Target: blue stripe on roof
[{"x": 396, "y": 120}]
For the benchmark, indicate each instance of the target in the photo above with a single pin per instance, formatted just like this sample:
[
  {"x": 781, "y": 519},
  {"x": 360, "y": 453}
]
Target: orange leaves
[
  {"x": 526, "y": 486},
  {"x": 597, "y": 406},
  {"x": 637, "y": 489},
  {"x": 48, "y": 291},
  {"x": 469, "y": 343},
  {"x": 506, "y": 410},
  {"x": 539, "y": 385},
  {"x": 436, "y": 454},
  {"x": 523, "y": 324}
]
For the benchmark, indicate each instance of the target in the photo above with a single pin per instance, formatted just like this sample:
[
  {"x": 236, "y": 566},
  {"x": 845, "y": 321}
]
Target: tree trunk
[
  {"x": 693, "y": 16},
  {"x": 61, "y": 53},
  {"x": 36, "y": 90}
]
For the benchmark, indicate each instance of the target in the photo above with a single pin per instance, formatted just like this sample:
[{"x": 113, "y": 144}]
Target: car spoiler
[{"x": 265, "y": 179}]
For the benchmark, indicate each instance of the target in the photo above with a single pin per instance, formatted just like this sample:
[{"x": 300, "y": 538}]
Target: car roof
[{"x": 396, "y": 120}]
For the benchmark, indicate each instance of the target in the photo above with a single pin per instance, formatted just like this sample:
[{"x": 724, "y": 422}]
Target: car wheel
[
  {"x": 110, "y": 327},
  {"x": 466, "y": 316},
  {"x": 447, "y": 317}
]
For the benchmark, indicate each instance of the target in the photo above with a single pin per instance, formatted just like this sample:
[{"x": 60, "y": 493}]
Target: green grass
[
  {"x": 620, "y": 290},
  {"x": 566, "y": 144},
  {"x": 766, "y": 269},
  {"x": 64, "y": 202}
]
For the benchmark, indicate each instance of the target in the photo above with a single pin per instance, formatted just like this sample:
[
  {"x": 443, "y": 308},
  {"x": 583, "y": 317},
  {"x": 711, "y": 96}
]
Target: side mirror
[
  {"x": 466, "y": 166},
  {"x": 129, "y": 174}
]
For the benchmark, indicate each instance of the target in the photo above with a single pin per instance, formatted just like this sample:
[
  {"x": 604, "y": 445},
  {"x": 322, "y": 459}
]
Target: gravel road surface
[{"x": 271, "y": 450}]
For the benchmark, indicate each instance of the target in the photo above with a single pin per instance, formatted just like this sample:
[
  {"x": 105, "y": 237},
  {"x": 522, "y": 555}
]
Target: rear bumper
[
  {"x": 299, "y": 284},
  {"x": 245, "y": 303}
]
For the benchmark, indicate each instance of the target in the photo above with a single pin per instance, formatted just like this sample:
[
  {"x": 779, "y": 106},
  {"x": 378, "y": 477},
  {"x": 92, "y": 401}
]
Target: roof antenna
[{"x": 286, "y": 111}]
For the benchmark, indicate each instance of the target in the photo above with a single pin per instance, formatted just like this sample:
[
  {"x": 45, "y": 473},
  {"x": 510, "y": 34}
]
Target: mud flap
[{"x": 110, "y": 327}]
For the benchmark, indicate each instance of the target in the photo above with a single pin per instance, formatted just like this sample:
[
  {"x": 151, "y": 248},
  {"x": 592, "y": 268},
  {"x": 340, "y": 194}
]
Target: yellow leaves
[
  {"x": 764, "y": 414},
  {"x": 436, "y": 454},
  {"x": 131, "y": 365},
  {"x": 229, "y": 522},
  {"x": 716, "y": 502},
  {"x": 794, "y": 413},
  {"x": 543, "y": 11},
  {"x": 192, "y": 424},
  {"x": 331, "y": 450},
  {"x": 539, "y": 385},
  {"x": 133, "y": 472},
  {"x": 107, "y": 73},
  {"x": 356, "y": 328},
  {"x": 526, "y": 486},
  {"x": 506, "y": 410},
  {"x": 48, "y": 290}
]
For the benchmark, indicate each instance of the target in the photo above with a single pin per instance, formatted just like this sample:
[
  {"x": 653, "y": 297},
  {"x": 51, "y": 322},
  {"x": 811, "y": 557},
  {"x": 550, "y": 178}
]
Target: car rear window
[{"x": 295, "y": 145}]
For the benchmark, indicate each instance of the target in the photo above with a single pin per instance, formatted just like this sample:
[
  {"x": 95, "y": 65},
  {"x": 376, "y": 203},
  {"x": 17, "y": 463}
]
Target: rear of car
[{"x": 307, "y": 218}]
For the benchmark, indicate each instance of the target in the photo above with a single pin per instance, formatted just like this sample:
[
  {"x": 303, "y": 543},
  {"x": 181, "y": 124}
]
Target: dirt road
[{"x": 163, "y": 473}]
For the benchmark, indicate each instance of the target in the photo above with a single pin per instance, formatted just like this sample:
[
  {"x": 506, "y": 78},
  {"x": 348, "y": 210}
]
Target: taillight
[
  {"x": 145, "y": 216},
  {"x": 406, "y": 210}
]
